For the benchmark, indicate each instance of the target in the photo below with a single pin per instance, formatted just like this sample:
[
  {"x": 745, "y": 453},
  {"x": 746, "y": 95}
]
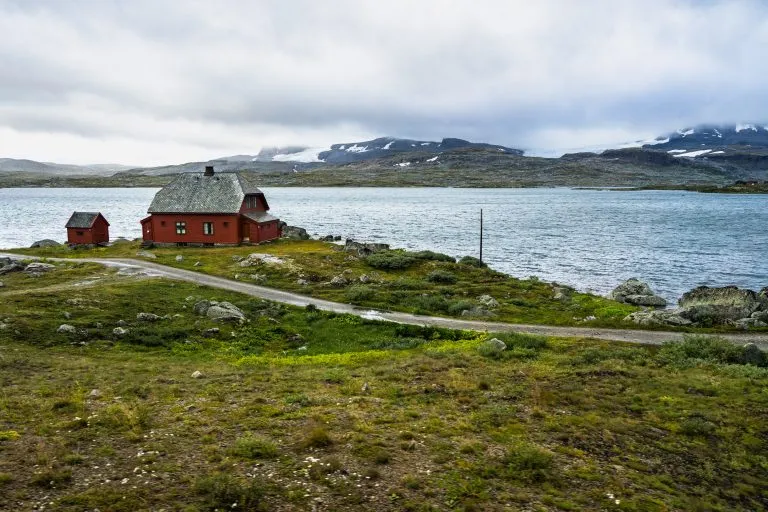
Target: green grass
[
  {"x": 416, "y": 282},
  {"x": 359, "y": 414}
]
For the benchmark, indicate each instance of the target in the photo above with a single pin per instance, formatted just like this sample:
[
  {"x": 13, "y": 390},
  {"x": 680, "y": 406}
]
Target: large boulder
[
  {"x": 45, "y": 243},
  {"x": 13, "y": 266},
  {"x": 364, "y": 248},
  {"x": 636, "y": 292},
  {"x": 718, "y": 305},
  {"x": 36, "y": 268},
  {"x": 224, "y": 312},
  {"x": 293, "y": 232},
  {"x": 148, "y": 317},
  {"x": 488, "y": 302},
  {"x": 658, "y": 317}
]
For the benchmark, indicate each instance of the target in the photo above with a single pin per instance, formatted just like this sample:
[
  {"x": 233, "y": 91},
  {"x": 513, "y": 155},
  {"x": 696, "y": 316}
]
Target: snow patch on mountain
[
  {"x": 433, "y": 159},
  {"x": 743, "y": 127},
  {"x": 685, "y": 133},
  {"x": 308, "y": 155},
  {"x": 693, "y": 154}
]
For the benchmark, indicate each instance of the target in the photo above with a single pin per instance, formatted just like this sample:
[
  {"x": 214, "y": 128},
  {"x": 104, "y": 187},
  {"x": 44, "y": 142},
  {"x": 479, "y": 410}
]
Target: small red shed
[{"x": 87, "y": 228}]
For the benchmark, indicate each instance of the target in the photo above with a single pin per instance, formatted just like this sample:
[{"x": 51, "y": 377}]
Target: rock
[
  {"x": 5, "y": 261},
  {"x": 146, "y": 254},
  {"x": 2, "y": 284},
  {"x": 197, "y": 374},
  {"x": 337, "y": 238},
  {"x": 13, "y": 266},
  {"x": 36, "y": 268},
  {"x": 339, "y": 280},
  {"x": 494, "y": 344},
  {"x": 95, "y": 393},
  {"x": 148, "y": 317},
  {"x": 66, "y": 329},
  {"x": 561, "y": 293},
  {"x": 753, "y": 355},
  {"x": 258, "y": 278},
  {"x": 258, "y": 258},
  {"x": 237, "y": 258},
  {"x": 225, "y": 312},
  {"x": 67, "y": 315},
  {"x": 197, "y": 264},
  {"x": 302, "y": 282},
  {"x": 635, "y": 292},
  {"x": 119, "y": 331},
  {"x": 366, "y": 388},
  {"x": 746, "y": 323},
  {"x": 364, "y": 249},
  {"x": 293, "y": 232},
  {"x": 658, "y": 317},
  {"x": 327, "y": 238},
  {"x": 488, "y": 301},
  {"x": 98, "y": 325},
  {"x": 762, "y": 316},
  {"x": 477, "y": 312},
  {"x": 718, "y": 305},
  {"x": 201, "y": 307},
  {"x": 179, "y": 257},
  {"x": 45, "y": 243},
  {"x": 210, "y": 333},
  {"x": 3, "y": 326}
]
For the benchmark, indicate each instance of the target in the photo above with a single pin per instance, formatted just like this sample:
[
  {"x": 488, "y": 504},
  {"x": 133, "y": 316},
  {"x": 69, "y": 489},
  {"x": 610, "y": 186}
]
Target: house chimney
[{"x": 208, "y": 170}]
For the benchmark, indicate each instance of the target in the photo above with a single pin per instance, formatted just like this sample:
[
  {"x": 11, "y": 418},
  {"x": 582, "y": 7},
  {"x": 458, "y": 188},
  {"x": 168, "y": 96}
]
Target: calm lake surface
[{"x": 589, "y": 239}]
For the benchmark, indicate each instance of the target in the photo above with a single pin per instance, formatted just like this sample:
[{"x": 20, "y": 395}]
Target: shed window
[
  {"x": 181, "y": 228},
  {"x": 79, "y": 233},
  {"x": 207, "y": 228}
]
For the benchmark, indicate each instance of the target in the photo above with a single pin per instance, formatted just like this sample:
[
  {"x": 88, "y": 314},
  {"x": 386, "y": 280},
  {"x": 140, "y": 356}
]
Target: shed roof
[
  {"x": 259, "y": 217},
  {"x": 84, "y": 220},
  {"x": 196, "y": 193}
]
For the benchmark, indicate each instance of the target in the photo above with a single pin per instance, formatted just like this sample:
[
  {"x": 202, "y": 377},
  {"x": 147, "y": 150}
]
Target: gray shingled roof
[
  {"x": 195, "y": 193},
  {"x": 260, "y": 216},
  {"x": 82, "y": 220}
]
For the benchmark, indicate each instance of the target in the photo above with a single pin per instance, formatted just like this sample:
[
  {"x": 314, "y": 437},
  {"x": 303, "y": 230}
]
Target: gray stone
[
  {"x": 179, "y": 257},
  {"x": 339, "y": 280},
  {"x": 13, "y": 266},
  {"x": 122, "y": 323},
  {"x": 67, "y": 315},
  {"x": 495, "y": 344},
  {"x": 366, "y": 388},
  {"x": 119, "y": 331},
  {"x": 364, "y": 249},
  {"x": 201, "y": 307},
  {"x": 197, "y": 374},
  {"x": 210, "y": 333},
  {"x": 488, "y": 301},
  {"x": 293, "y": 232},
  {"x": 2, "y": 284},
  {"x": 760, "y": 315},
  {"x": 302, "y": 282},
  {"x": 746, "y": 323},
  {"x": 148, "y": 317},
  {"x": 95, "y": 393},
  {"x": 45, "y": 243},
  {"x": 327, "y": 238},
  {"x": 718, "y": 305},
  {"x": 561, "y": 293},
  {"x": 477, "y": 312},
  {"x": 36, "y": 268},
  {"x": 635, "y": 292},
  {"x": 658, "y": 317},
  {"x": 753, "y": 355},
  {"x": 197, "y": 264},
  {"x": 66, "y": 329},
  {"x": 146, "y": 254},
  {"x": 225, "y": 312}
]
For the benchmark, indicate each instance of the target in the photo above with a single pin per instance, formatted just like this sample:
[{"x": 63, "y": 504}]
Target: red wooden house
[
  {"x": 209, "y": 209},
  {"x": 87, "y": 228}
]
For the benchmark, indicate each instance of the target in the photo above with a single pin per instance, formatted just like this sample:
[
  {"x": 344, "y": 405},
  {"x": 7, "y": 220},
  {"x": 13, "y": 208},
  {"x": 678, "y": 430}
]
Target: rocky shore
[{"x": 700, "y": 307}]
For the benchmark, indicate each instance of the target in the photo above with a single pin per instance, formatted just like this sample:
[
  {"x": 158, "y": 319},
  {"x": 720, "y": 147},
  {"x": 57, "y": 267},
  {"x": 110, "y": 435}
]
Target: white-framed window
[
  {"x": 207, "y": 228},
  {"x": 181, "y": 228}
]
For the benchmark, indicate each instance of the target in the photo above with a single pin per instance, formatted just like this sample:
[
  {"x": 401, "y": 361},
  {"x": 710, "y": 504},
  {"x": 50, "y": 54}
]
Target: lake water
[{"x": 589, "y": 239}]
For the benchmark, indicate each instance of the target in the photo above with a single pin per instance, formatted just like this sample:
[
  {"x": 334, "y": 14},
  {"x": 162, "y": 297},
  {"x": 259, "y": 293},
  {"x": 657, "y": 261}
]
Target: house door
[{"x": 246, "y": 231}]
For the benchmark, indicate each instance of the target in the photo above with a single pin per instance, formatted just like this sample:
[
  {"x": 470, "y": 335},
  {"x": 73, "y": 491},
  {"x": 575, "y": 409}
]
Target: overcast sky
[{"x": 164, "y": 81}]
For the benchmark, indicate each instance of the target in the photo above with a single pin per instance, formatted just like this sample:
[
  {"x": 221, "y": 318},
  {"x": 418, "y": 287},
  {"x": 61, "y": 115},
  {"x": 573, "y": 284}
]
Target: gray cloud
[{"x": 166, "y": 81}]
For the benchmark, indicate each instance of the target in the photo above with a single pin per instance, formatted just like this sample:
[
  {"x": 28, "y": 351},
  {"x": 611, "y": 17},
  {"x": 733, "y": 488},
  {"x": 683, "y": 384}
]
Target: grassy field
[
  {"x": 422, "y": 283},
  {"x": 298, "y": 409}
]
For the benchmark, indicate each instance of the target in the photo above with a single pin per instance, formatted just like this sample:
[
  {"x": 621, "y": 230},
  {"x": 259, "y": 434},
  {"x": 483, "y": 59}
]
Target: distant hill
[{"x": 13, "y": 165}]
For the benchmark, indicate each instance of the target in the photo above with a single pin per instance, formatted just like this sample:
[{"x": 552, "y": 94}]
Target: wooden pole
[{"x": 481, "y": 235}]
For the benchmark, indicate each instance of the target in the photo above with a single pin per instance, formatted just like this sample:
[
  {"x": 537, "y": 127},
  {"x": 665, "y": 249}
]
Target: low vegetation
[{"x": 298, "y": 409}]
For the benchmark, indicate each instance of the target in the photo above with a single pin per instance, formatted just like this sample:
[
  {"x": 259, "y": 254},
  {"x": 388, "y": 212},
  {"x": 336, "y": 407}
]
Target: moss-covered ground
[{"x": 304, "y": 410}]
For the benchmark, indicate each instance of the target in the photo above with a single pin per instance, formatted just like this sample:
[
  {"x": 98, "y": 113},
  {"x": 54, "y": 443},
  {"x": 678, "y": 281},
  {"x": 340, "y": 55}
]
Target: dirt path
[{"x": 295, "y": 299}]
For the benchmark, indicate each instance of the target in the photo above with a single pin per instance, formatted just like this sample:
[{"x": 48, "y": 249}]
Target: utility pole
[{"x": 481, "y": 235}]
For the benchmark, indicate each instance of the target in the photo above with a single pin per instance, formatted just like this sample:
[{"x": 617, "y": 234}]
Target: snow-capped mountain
[
  {"x": 366, "y": 150},
  {"x": 713, "y": 140}
]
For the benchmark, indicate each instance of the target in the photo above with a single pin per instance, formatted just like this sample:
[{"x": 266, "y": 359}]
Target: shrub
[
  {"x": 432, "y": 256},
  {"x": 529, "y": 462},
  {"x": 252, "y": 447},
  {"x": 5, "y": 478},
  {"x": 456, "y": 308},
  {"x": 408, "y": 284},
  {"x": 359, "y": 293},
  {"x": 221, "y": 491},
  {"x": 318, "y": 437},
  {"x": 694, "y": 350},
  {"x": 697, "y": 426},
  {"x": 472, "y": 261},
  {"x": 522, "y": 340},
  {"x": 441, "y": 276},
  {"x": 390, "y": 260}
]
